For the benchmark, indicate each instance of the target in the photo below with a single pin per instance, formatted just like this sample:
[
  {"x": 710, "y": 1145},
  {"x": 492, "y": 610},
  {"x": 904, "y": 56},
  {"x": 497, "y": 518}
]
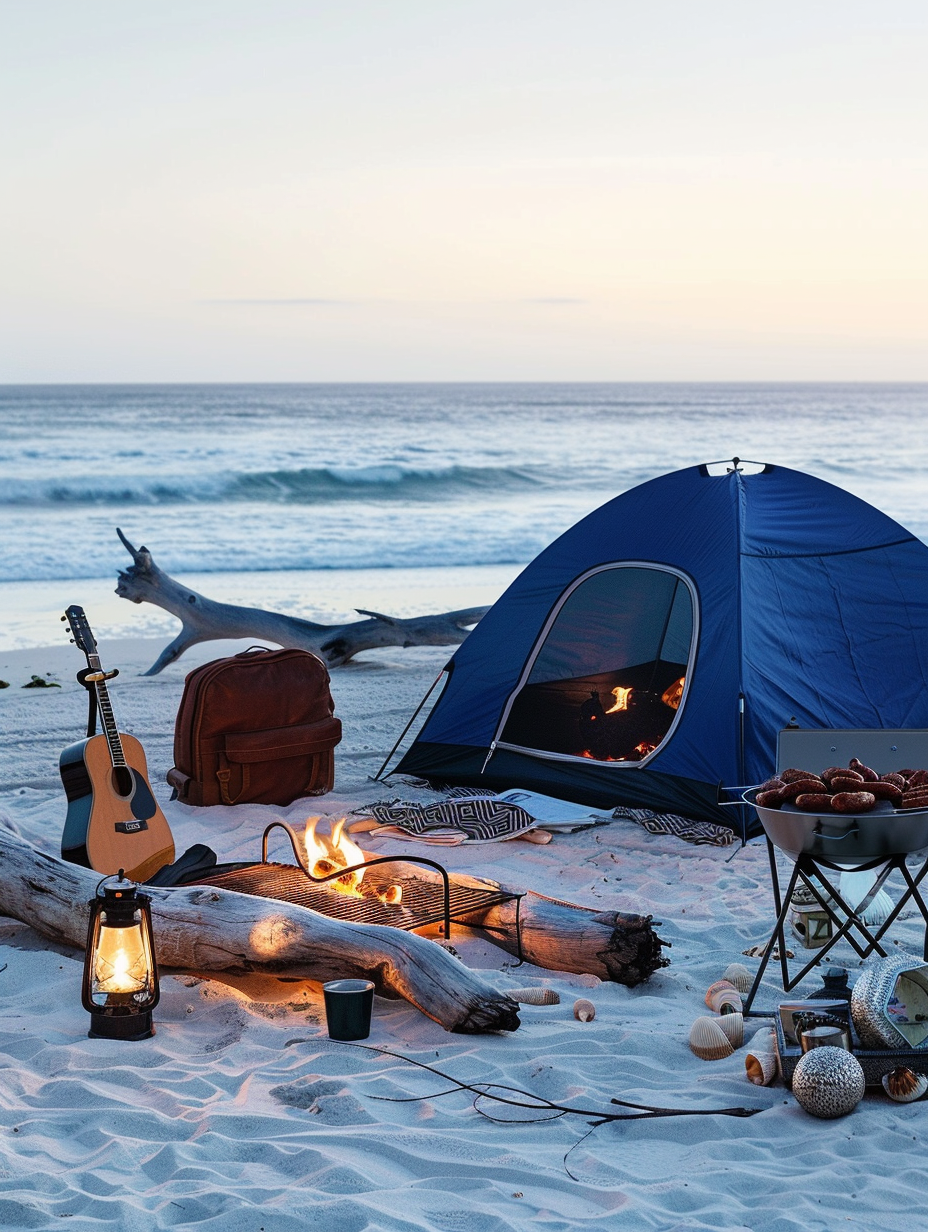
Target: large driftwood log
[
  {"x": 562, "y": 936},
  {"x": 204, "y": 620},
  {"x": 203, "y": 929}
]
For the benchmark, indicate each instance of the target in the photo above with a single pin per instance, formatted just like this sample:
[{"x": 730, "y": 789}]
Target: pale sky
[{"x": 288, "y": 190}]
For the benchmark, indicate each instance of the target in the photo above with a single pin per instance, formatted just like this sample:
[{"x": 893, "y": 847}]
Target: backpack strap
[{"x": 224, "y": 774}]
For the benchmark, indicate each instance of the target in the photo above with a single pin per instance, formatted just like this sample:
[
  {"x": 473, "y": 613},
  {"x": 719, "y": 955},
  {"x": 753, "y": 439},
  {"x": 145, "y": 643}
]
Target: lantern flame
[
  {"x": 326, "y": 853},
  {"x": 120, "y": 964},
  {"x": 622, "y": 697}
]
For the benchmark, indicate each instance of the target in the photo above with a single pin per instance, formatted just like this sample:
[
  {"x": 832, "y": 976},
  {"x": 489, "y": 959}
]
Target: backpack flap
[
  {"x": 279, "y": 764},
  {"x": 301, "y": 740}
]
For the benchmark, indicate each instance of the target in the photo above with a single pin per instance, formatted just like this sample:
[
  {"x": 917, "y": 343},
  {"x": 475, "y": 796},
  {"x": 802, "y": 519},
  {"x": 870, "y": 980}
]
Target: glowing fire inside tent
[
  {"x": 621, "y": 699},
  {"x": 607, "y": 679}
]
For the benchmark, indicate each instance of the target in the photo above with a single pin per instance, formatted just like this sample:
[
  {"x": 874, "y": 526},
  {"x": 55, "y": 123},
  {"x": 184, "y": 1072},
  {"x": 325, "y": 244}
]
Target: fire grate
[
  {"x": 406, "y": 901},
  {"x": 423, "y": 902}
]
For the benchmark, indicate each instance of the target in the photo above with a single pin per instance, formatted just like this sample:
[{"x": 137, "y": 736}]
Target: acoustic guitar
[{"x": 113, "y": 821}]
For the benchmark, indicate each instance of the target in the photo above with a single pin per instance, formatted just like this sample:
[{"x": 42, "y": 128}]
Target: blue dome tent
[{"x": 656, "y": 648}]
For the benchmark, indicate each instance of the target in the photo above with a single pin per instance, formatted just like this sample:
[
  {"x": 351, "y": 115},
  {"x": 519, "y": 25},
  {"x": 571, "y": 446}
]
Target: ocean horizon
[{"x": 427, "y": 493}]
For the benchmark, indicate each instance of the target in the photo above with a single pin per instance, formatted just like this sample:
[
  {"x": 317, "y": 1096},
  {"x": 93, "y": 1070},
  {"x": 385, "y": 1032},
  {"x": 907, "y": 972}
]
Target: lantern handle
[{"x": 120, "y": 876}]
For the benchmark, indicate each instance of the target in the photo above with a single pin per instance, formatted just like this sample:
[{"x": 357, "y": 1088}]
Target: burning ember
[
  {"x": 622, "y": 697},
  {"x": 326, "y": 853}
]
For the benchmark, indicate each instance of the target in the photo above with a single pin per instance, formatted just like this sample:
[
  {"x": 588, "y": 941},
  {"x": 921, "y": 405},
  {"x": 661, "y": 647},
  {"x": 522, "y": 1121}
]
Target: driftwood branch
[
  {"x": 203, "y": 929},
  {"x": 205, "y": 620}
]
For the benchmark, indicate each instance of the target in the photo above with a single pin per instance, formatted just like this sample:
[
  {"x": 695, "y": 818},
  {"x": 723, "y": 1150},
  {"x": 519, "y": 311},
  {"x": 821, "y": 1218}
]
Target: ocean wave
[{"x": 304, "y": 486}]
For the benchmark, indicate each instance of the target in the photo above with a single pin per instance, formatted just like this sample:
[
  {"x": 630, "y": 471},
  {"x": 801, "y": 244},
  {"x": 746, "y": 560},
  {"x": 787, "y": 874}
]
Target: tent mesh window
[{"x": 608, "y": 677}]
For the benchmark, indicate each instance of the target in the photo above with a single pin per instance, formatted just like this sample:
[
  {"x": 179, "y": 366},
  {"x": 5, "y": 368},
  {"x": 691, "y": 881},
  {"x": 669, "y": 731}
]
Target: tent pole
[
  {"x": 402, "y": 735},
  {"x": 741, "y": 810}
]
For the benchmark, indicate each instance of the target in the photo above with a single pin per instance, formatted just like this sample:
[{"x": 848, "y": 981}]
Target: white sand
[{"x": 241, "y": 1114}]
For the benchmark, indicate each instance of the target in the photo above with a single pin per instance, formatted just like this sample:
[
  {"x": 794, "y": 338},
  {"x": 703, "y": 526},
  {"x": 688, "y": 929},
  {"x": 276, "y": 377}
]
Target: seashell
[
  {"x": 708, "y": 1041},
  {"x": 760, "y": 1062},
  {"x": 761, "y": 1068},
  {"x": 534, "y": 996},
  {"x": 854, "y": 887},
  {"x": 724, "y": 1000},
  {"x": 584, "y": 1011},
  {"x": 904, "y": 1085},
  {"x": 723, "y": 983},
  {"x": 738, "y": 975},
  {"x": 879, "y": 910},
  {"x": 733, "y": 1027}
]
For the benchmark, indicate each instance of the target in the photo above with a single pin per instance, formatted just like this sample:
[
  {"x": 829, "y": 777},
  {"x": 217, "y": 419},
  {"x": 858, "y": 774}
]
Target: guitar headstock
[{"x": 80, "y": 630}]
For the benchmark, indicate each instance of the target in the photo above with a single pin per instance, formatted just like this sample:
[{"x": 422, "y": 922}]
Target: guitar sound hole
[{"x": 122, "y": 781}]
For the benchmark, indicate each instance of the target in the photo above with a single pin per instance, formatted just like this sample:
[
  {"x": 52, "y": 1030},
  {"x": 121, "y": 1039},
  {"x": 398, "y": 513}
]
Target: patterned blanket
[
  {"x": 473, "y": 815},
  {"x": 680, "y": 827},
  {"x": 450, "y": 822}
]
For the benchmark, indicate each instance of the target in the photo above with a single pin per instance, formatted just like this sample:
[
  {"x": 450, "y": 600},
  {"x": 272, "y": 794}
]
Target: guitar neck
[{"x": 107, "y": 718}]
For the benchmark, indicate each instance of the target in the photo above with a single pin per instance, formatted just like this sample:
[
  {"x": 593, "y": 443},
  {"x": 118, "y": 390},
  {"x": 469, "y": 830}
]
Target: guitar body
[{"x": 113, "y": 820}]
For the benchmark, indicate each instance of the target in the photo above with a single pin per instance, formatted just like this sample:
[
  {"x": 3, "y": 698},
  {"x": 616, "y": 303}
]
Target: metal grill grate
[{"x": 422, "y": 902}]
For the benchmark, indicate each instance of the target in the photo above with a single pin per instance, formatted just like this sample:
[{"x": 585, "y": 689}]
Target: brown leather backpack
[{"x": 256, "y": 728}]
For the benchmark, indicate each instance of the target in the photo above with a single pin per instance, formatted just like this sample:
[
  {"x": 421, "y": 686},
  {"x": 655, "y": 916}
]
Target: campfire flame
[
  {"x": 326, "y": 853},
  {"x": 622, "y": 697}
]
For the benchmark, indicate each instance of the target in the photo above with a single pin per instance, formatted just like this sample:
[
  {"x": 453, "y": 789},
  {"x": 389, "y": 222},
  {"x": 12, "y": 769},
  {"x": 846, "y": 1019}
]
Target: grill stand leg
[
  {"x": 808, "y": 871},
  {"x": 777, "y": 936},
  {"x": 912, "y": 883}
]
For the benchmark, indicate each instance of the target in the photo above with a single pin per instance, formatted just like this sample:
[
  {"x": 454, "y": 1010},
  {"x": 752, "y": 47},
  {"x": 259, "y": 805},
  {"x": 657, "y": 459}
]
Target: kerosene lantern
[{"x": 120, "y": 986}]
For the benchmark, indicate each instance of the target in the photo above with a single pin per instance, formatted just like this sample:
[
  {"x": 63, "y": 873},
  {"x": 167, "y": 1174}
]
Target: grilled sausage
[
  {"x": 773, "y": 784},
  {"x": 868, "y": 775},
  {"x": 896, "y": 779},
  {"x": 919, "y": 779},
  {"x": 846, "y": 784},
  {"x": 791, "y": 790},
  {"x": 853, "y": 802},
  {"x": 854, "y": 775},
  {"x": 769, "y": 799},
  {"x": 814, "y": 802},
  {"x": 914, "y": 800},
  {"x": 885, "y": 791},
  {"x": 792, "y": 775}
]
